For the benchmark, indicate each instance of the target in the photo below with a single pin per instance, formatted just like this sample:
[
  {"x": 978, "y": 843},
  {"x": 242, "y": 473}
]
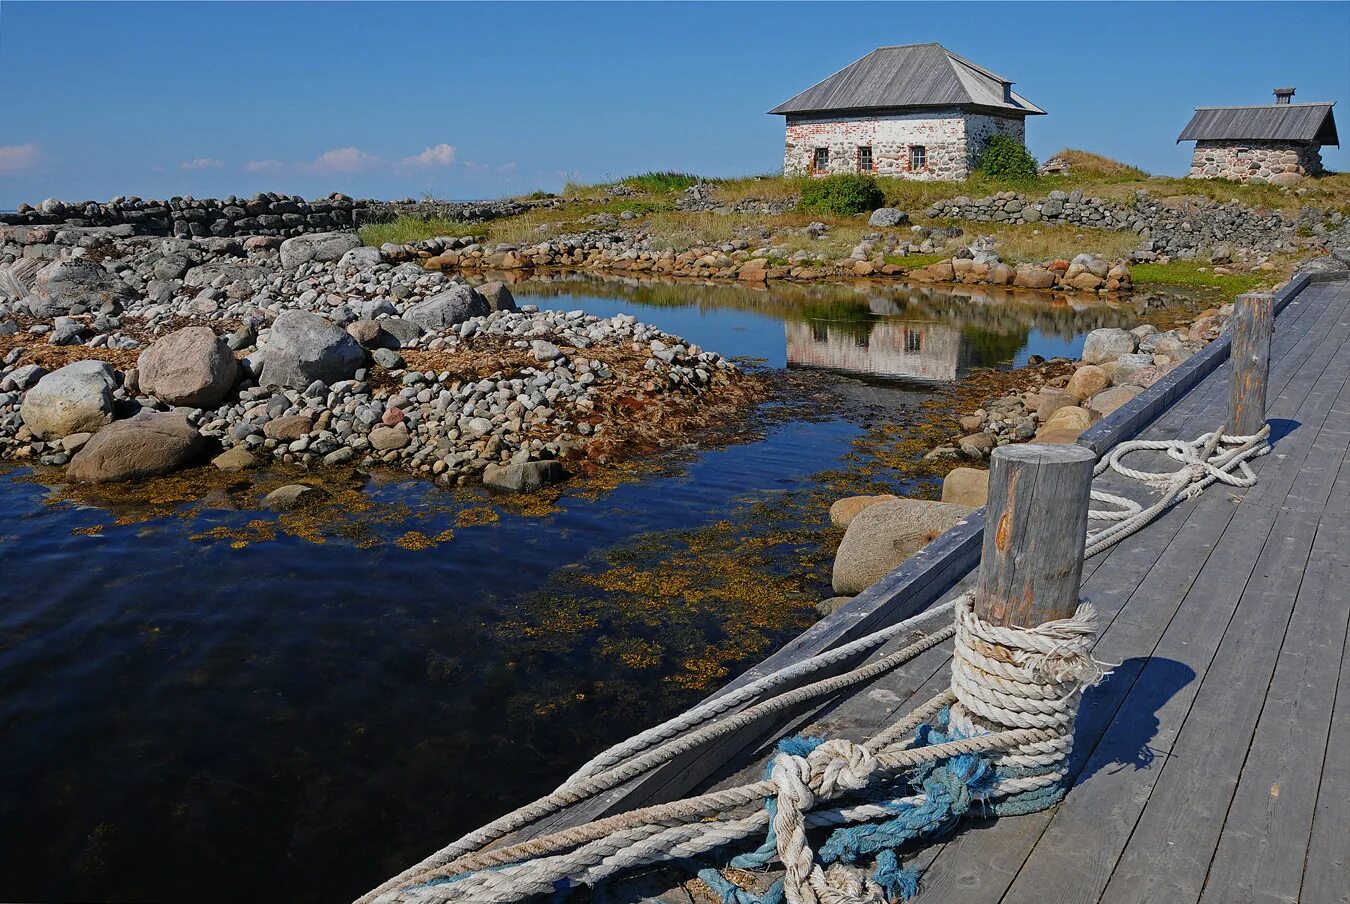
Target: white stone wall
[
  {"x": 953, "y": 141},
  {"x": 1257, "y": 162},
  {"x": 980, "y": 128}
]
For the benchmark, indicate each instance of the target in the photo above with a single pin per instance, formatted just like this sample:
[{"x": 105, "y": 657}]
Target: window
[
  {"x": 918, "y": 157},
  {"x": 865, "y": 159},
  {"x": 913, "y": 341},
  {"x": 822, "y": 160}
]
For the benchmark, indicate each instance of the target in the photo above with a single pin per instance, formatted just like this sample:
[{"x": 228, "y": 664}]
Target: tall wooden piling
[
  {"x": 1252, "y": 324},
  {"x": 1035, "y": 531}
]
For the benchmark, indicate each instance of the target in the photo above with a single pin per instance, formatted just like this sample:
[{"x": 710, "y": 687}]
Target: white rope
[{"x": 1014, "y": 693}]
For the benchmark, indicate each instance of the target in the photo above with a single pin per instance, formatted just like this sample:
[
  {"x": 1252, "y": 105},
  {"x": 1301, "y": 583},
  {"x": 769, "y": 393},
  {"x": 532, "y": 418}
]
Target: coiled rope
[{"x": 995, "y": 742}]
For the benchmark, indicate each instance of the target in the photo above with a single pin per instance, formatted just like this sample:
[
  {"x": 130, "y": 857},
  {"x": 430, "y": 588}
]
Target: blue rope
[{"x": 952, "y": 788}]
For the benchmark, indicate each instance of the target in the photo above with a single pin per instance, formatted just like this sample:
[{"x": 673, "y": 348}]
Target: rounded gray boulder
[
  {"x": 302, "y": 347},
  {"x": 192, "y": 367},
  {"x": 883, "y": 535},
  {"x": 151, "y": 443},
  {"x": 76, "y": 398},
  {"x": 317, "y": 246},
  {"x": 68, "y": 282},
  {"x": 455, "y": 305}
]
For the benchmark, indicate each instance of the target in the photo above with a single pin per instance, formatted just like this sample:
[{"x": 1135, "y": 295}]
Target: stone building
[
  {"x": 917, "y": 111},
  {"x": 1279, "y": 143}
]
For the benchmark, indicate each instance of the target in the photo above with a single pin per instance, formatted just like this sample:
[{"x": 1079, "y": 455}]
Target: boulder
[
  {"x": 1049, "y": 400},
  {"x": 302, "y": 347},
  {"x": 362, "y": 258},
  {"x": 523, "y": 476},
  {"x": 1108, "y": 400},
  {"x": 76, "y": 398},
  {"x": 1034, "y": 278},
  {"x": 977, "y": 445},
  {"x": 966, "y": 486},
  {"x": 845, "y": 510},
  {"x": 454, "y": 305},
  {"x": 886, "y": 217},
  {"x": 1070, "y": 417},
  {"x": 388, "y": 439},
  {"x": 192, "y": 367},
  {"x": 1087, "y": 381},
  {"x": 884, "y": 535},
  {"x": 1126, "y": 366},
  {"x": 151, "y": 443},
  {"x": 1108, "y": 344},
  {"x": 236, "y": 459},
  {"x": 64, "y": 283},
  {"x": 497, "y": 296},
  {"x": 291, "y": 495},
  {"x": 317, "y": 246},
  {"x": 288, "y": 429}
]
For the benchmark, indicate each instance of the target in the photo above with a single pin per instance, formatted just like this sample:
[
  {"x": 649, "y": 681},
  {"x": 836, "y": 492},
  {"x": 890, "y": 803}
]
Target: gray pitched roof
[
  {"x": 912, "y": 75},
  {"x": 1270, "y": 122}
]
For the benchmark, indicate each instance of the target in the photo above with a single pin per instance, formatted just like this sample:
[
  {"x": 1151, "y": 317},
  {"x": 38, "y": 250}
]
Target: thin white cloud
[
  {"x": 264, "y": 166},
  {"x": 16, "y": 157},
  {"x": 344, "y": 160},
  {"x": 507, "y": 167},
  {"x": 200, "y": 163},
  {"x": 436, "y": 155}
]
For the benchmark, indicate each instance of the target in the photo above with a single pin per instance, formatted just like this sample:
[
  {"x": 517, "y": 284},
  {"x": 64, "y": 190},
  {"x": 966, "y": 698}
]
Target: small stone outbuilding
[
  {"x": 917, "y": 111},
  {"x": 1279, "y": 143}
]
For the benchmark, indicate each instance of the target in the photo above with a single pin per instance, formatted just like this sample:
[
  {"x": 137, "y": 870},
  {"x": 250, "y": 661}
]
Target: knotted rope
[{"x": 994, "y": 743}]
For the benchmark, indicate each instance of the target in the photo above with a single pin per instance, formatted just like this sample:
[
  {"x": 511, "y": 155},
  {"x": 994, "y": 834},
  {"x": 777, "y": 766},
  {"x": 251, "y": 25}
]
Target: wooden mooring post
[
  {"x": 1035, "y": 530},
  {"x": 1252, "y": 324}
]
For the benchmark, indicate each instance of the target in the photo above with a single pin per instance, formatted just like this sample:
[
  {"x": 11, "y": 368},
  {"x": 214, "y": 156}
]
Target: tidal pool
[{"x": 201, "y": 700}]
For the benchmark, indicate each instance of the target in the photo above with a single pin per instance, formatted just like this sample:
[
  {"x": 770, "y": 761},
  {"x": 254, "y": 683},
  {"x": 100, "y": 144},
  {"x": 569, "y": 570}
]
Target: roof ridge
[{"x": 1309, "y": 103}]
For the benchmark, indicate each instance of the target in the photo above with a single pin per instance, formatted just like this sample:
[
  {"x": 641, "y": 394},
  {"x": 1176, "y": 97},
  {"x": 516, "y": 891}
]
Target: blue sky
[{"x": 484, "y": 99}]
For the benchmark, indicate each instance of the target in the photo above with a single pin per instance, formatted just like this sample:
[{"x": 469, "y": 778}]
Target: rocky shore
[{"x": 127, "y": 357}]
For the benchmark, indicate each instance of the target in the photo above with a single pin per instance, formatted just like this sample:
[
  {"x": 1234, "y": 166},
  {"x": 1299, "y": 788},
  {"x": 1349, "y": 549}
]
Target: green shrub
[
  {"x": 1007, "y": 158},
  {"x": 842, "y": 195}
]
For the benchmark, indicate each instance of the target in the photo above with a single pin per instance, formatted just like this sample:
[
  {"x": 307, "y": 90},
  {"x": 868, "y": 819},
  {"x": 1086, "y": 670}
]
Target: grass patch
[
  {"x": 915, "y": 261},
  {"x": 1197, "y": 275},
  {"x": 1089, "y": 165},
  {"x": 660, "y": 183},
  {"x": 413, "y": 229}
]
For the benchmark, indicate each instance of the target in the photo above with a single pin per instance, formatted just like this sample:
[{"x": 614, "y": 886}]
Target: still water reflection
[{"x": 201, "y": 700}]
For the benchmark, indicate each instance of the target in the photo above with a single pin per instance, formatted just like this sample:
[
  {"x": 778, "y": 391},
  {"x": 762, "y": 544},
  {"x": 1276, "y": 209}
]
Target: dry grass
[
  {"x": 1086, "y": 163},
  {"x": 1041, "y": 242}
]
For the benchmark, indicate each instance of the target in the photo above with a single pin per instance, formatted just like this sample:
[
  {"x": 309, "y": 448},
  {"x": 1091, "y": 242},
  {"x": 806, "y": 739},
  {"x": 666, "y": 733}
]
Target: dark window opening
[
  {"x": 822, "y": 161},
  {"x": 865, "y": 159},
  {"x": 918, "y": 157}
]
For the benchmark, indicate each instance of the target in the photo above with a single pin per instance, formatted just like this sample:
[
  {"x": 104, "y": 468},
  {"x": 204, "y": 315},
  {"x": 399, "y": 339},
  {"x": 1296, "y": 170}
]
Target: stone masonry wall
[
  {"x": 1259, "y": 162},
  {"x": 1178, "y": 229},
  {"x": 980, "y": 128},
  {"x": 263, "y": 214},
  {"x": 941, "y": 133}
]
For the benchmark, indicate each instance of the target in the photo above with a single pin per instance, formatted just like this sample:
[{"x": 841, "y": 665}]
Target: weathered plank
[
  {"x": 1265, "y": 834},
  {"x": 1179, "y": 826},
  {"x": 1125, "y": 639}
]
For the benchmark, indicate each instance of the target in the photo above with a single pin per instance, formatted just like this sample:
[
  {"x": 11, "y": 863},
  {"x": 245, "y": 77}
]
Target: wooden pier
[{"x": 1213, "y": 764}]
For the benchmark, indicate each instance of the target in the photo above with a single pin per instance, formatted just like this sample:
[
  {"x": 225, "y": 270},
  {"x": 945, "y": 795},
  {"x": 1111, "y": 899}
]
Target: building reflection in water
[{"x": 922, "y": 351}]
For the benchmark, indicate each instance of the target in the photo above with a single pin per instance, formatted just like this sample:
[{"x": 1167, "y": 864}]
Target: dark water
[{"x": 202, "y": 701}]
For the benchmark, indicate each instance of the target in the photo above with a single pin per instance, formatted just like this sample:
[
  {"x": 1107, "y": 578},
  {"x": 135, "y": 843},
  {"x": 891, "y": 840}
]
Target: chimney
[{"x": 1282, "y": 95}]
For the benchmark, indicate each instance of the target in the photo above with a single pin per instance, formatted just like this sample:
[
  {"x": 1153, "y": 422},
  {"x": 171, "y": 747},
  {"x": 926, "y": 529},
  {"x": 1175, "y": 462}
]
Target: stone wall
[
  {"x": 1258, "y": 162},
  {"x": 262, "y": 214},
  {"x": 1173, "y": 229},
  {"x": 952, "y": 140}
]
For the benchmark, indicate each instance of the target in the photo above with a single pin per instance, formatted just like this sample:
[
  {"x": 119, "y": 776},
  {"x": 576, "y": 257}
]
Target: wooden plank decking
[{"x": 1213, "y": 765}]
